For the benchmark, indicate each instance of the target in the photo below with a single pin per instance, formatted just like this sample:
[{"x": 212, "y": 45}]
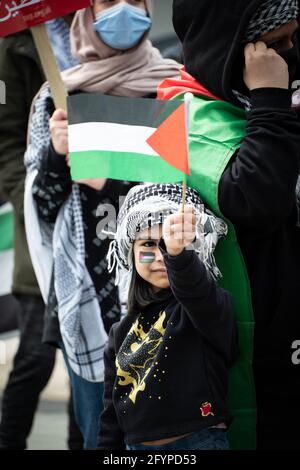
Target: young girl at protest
[
  {"x": 110, "y": 40},
  {"x": 167, "y": 361}
]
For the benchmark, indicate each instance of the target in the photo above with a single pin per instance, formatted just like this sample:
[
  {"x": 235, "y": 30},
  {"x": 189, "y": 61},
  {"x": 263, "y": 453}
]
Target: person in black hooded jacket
[{"x": 245, "y": 52}]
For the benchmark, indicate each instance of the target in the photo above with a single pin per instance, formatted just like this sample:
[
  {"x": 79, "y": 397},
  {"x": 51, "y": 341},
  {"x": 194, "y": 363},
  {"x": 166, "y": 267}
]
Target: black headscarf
[{"x": 212, "y": 33}]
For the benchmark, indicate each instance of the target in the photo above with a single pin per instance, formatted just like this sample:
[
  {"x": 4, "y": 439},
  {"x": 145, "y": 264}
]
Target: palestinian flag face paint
[
  {"x": 133, "y": 139},
  {"x": 146, "y": 257}
]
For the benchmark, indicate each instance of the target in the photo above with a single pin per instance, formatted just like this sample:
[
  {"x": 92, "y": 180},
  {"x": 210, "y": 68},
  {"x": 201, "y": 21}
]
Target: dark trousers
[
  {"x": 32, "y": 368},
  {"x": 75, "y": 439},
  {"x": 8, "y": 313},
  {"x": 88, "y": 406}
]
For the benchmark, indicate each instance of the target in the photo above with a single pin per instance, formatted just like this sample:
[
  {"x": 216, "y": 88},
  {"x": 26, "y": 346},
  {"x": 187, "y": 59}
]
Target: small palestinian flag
[
  {"x": 134, "y": 139},
  {"x": 146, "y": 257},
  {"x": 6, "y": 248}
]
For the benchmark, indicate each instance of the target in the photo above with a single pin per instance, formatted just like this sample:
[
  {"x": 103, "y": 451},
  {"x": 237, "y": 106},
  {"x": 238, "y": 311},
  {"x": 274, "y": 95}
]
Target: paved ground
[{"x": 50, "y": 426}]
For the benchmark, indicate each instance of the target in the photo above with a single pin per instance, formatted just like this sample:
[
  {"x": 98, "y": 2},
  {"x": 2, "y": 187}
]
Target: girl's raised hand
[{"x": 179, "y": 230}]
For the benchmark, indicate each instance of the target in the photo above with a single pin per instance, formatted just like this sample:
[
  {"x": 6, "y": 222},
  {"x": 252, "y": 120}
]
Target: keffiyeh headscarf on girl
[
  {"x": 148, "y": 205},
  {"x": 271, "y": 15}
]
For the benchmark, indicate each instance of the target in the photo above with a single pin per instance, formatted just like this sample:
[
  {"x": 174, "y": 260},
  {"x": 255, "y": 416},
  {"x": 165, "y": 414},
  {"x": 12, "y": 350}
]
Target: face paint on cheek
[{"x": 146, "y": 258}]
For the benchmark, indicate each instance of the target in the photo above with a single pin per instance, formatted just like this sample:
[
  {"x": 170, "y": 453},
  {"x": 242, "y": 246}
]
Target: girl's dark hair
[{"x": 141, "y": 294}]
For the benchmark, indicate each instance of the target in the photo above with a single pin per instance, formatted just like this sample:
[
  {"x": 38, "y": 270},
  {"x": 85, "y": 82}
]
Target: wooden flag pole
[
  {"x": 49, "y": 64},
  {"x": 187, "y": 101}
]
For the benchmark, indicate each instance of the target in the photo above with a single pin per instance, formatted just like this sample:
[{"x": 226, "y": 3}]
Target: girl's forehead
[{"x": 152, "y": 233}]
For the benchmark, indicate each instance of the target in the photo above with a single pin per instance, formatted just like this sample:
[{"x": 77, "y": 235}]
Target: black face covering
[
  {"x": 212, "y": 33},
  {"x": 238, "y": 83},
  {"x": 291, "y": 57}
]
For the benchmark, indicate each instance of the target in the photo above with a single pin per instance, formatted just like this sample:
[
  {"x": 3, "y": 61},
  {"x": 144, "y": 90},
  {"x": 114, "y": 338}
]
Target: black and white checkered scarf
[
  {"x": 60, "y": 249},
  {"x": 271, "y": 15},
  {"x": 148, "y": 205}
]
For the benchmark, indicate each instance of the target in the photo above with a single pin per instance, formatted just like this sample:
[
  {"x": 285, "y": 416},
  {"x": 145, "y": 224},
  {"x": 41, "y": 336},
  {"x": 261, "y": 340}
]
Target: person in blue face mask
[
  {"x": 122, "y": 25},
  {"x": 110, "y": 41}
]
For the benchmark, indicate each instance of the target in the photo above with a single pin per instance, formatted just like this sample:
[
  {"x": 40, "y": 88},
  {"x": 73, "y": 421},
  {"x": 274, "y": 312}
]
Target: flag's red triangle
[{"x": 170, "y": 140}]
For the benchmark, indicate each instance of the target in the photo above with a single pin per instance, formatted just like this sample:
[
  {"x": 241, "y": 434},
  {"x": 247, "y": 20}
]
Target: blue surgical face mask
[{"x": 123, "y": 26}]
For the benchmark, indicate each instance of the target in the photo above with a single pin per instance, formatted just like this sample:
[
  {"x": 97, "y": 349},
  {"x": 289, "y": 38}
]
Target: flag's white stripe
[
  {"x": 110, "y": 137},
  {"x": 6, "y": 258},
  {"x": 5, "y": 208},
  {"x": 6, "y": 271}
]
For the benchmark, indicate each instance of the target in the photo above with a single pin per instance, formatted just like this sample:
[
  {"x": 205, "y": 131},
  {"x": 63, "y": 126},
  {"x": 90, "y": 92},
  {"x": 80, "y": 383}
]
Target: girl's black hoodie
[{"x": 166, "y": 369}]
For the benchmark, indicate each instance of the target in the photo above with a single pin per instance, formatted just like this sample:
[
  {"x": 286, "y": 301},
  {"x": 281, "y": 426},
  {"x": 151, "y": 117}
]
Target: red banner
[{"x": 23, "y": 14}]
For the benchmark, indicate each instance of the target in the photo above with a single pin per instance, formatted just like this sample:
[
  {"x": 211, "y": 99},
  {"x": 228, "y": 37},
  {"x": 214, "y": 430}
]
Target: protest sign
[
  {"x": 23, "y": 14},
  {"x": 18, "y": 15}
]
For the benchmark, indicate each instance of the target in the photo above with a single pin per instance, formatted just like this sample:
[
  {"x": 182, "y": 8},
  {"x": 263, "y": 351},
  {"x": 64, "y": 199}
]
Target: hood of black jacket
[{"x": 211, "y": 32}]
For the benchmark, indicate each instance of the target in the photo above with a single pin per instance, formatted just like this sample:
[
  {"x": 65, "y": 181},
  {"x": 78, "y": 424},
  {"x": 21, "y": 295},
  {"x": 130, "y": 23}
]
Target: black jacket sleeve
[
  {"x": 209, "y": 307},
  {"x": 110, "y": 436},
  {"x": 52, "y": 185},
  {"x": 257, "y": 189}
]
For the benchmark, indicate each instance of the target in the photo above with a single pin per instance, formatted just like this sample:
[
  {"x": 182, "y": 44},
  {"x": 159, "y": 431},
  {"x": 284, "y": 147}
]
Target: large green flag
[{"x": 216, "y": 130}]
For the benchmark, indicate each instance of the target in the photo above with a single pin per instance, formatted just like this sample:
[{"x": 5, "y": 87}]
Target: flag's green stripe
[
  {"x": 94, "y": 107},
  {"x": 122, "y": 166},
  {"x": 6, "y": 231}
]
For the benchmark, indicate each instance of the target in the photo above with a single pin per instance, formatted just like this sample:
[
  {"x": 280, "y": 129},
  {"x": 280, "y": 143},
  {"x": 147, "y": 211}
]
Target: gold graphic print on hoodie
[{"x": 137, "y": 354}]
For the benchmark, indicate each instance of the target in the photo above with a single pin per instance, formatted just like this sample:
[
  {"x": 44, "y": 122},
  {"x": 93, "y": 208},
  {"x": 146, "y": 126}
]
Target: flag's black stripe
[{"x": 95, "y": 107}]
